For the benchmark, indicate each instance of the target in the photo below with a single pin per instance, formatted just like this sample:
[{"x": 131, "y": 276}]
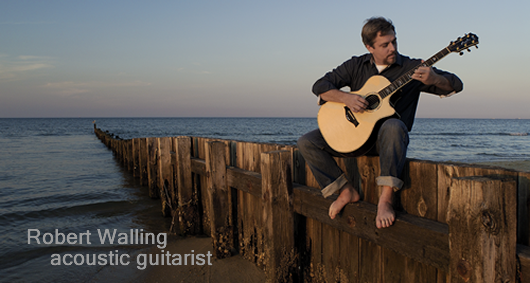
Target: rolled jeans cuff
[
  {"x": 393, "y": 182},
  {"x": 334, "y": 186}
]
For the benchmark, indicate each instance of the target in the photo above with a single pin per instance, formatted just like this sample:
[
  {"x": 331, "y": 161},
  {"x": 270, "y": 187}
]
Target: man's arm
[
  {"x": 355, "y": 102},
  {"x": 427, "y": 76}
]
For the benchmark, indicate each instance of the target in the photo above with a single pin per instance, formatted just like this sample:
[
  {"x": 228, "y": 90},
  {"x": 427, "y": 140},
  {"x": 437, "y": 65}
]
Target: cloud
[
  {"x": 13, "y": 68},
  {"x": 73, "y": 88}
]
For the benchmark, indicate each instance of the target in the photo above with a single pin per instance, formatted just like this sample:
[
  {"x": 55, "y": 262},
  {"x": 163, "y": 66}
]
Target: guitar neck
[{"x": 407, "y": 77}]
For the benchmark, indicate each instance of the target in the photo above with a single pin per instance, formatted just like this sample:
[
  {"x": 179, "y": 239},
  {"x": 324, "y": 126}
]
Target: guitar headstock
[{"x": 462, "y": 43}]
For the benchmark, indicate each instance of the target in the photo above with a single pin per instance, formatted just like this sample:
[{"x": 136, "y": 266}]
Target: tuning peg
[
  {"x": 461, "y": 53},
  {"x": 468, "y": 50}
]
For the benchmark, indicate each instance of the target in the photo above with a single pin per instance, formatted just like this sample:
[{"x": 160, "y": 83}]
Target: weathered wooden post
[
  {"x": 144, "y": 165},
  {"x": 130, "y": 150},
  {"x": 221, "y": 221},
  {"x": 165, "y": 174},
  {"x": 153, "y": 159},
  {"x": 482, "y": 219},
  {"x": 186, "y": 197},
  {"x": 124, "y": 152},
  {"x": 116, "y": 148},
  {"x": 136, "y": 158},
  {"x": 116, "y": 144},
  {"x": 279, "y": 217},
  {"x": 523, "y": 217}
]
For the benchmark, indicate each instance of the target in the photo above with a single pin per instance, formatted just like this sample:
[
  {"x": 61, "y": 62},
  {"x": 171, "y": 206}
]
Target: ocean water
[
  {"x": 461, "y": 140},
  {"x": 55, "y": 175}
]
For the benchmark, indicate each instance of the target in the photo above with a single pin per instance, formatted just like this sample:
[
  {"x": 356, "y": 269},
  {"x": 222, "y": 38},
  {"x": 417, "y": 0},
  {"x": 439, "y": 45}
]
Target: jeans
[{"x": 391, "y": 146}]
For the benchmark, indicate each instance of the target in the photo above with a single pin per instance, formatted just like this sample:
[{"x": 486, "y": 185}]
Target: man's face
[{"x": 384, "y": 49}]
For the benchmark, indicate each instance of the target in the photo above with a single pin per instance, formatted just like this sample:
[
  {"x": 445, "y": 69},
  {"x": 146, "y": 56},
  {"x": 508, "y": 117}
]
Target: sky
[{"x": 243, "y": 58}]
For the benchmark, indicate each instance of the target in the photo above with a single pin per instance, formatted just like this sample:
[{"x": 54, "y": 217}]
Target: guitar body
[{"x": 348, "y": 132}]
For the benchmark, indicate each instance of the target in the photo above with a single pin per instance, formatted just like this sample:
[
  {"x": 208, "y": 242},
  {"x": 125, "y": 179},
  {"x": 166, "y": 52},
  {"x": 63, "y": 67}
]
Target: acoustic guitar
[{"x": 349, "y": 132}]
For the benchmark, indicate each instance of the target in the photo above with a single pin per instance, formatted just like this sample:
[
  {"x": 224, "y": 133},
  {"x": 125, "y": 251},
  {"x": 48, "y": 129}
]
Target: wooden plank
[
  {"x": 188, "y": 211},
  {"x": 152, "y": 172},
  {"x": 372, "y": 268},
  {"x": 419, "y": 196},
  {"x": 349, "y": 258},
  {"x": 220, "y": 217},
  {"x": 368, "y": 172},
  {"x": 281, "y": 255},
  {"x": 200, "y": 183},
  {"x": 198, "y": 166},
  {"x": 418, "y": 238},
  {"x": 483, "y": 230},
  {"x": 144, "y": 165},
  {"x": 118, "y": 147},
  {"x": 395, "y": 267},
  {"x": 124, "y": 157},
  {"x": 136, "y": 157},
  {"x": 165, "y": 175},
  {"x": 446, "y": 173},
  {"x": 419, "y": 272},
  {"x": 245, "y": 181},
  {"x": 233, "y": 193},
  {"x": 314, "y": 270},
  {"x": 250, "y": 226},
  {"x": 523, "y": 212},
  {"x": 523, "y": 200},
  {"x": 523, "y": 256},
  {"x": 130, "y": 155},
  {"x": 119, "y": 150},
  {"x": 330, "y": 253},
  {"x": 299, "y": 167}
]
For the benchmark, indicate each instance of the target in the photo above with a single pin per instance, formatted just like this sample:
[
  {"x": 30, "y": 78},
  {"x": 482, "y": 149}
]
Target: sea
[{"x": 61, "y": 189}]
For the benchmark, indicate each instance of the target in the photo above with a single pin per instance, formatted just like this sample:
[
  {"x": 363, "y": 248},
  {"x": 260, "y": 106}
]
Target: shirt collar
[{"x": 370, "y": 59}]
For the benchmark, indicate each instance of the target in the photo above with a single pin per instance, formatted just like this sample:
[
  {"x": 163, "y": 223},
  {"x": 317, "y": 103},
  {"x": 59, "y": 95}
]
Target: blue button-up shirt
[{"x": 356, "y": 71}]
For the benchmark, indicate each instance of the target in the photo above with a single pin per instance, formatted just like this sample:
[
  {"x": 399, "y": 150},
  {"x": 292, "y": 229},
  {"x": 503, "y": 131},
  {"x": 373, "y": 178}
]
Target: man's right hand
[{"x": 355, "y": 102}]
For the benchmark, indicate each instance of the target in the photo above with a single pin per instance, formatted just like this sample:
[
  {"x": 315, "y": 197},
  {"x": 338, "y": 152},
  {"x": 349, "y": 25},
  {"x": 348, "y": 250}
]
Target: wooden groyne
[{"x": 455, "y": 222}]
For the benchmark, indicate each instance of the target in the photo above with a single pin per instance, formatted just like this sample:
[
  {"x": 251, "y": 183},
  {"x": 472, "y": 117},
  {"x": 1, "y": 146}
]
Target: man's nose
[{"x": 393, "y": 47}]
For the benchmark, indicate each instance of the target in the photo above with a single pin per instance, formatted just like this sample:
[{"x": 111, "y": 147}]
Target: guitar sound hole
[{"x": 373, "y": 102}]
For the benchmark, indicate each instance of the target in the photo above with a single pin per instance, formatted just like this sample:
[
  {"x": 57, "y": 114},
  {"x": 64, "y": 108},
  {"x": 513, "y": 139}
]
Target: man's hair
[{"x": 373, "y": 26}]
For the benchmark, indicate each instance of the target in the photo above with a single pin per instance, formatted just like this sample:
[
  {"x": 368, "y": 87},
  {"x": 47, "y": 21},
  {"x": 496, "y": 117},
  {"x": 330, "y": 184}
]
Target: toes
[
  {"x": 332, "y": 212},
  {"x": 384, "y": 222}
]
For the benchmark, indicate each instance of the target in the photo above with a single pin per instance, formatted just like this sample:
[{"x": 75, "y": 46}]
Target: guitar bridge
[{"x": 350, "y": 117}]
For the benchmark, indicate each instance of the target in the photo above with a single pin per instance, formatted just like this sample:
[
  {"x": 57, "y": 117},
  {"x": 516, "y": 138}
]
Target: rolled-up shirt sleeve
[
  {"x": 335, "y": 79},
  {"x": 454, "y": 81},
  {"x": 353, "y": 73}
]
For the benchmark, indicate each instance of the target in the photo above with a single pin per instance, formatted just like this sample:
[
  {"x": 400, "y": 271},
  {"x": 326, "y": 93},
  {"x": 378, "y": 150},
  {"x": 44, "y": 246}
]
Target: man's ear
[{"x": 370, "y": 48}]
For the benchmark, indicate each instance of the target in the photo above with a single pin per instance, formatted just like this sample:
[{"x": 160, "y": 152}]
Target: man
[{"x": 379, "y": 36}]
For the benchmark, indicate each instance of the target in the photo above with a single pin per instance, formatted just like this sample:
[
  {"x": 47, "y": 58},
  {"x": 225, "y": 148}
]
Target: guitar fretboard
[{"x": 407, "y": 77}]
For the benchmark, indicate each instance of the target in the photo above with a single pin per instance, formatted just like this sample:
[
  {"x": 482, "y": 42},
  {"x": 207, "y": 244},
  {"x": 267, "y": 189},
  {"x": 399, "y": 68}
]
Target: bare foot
[
  {"x": 347, "y": 195},
  {"x": 385, "y": 212}
]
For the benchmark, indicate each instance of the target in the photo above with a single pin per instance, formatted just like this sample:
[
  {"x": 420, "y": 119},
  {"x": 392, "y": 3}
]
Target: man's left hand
[{"x": 426, "y": 75}]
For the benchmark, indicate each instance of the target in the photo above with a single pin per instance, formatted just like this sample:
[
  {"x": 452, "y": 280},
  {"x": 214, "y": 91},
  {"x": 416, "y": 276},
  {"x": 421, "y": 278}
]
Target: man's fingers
[
  {"x": 357, "y": 104},
  {"x": 362, "y": 102}
]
